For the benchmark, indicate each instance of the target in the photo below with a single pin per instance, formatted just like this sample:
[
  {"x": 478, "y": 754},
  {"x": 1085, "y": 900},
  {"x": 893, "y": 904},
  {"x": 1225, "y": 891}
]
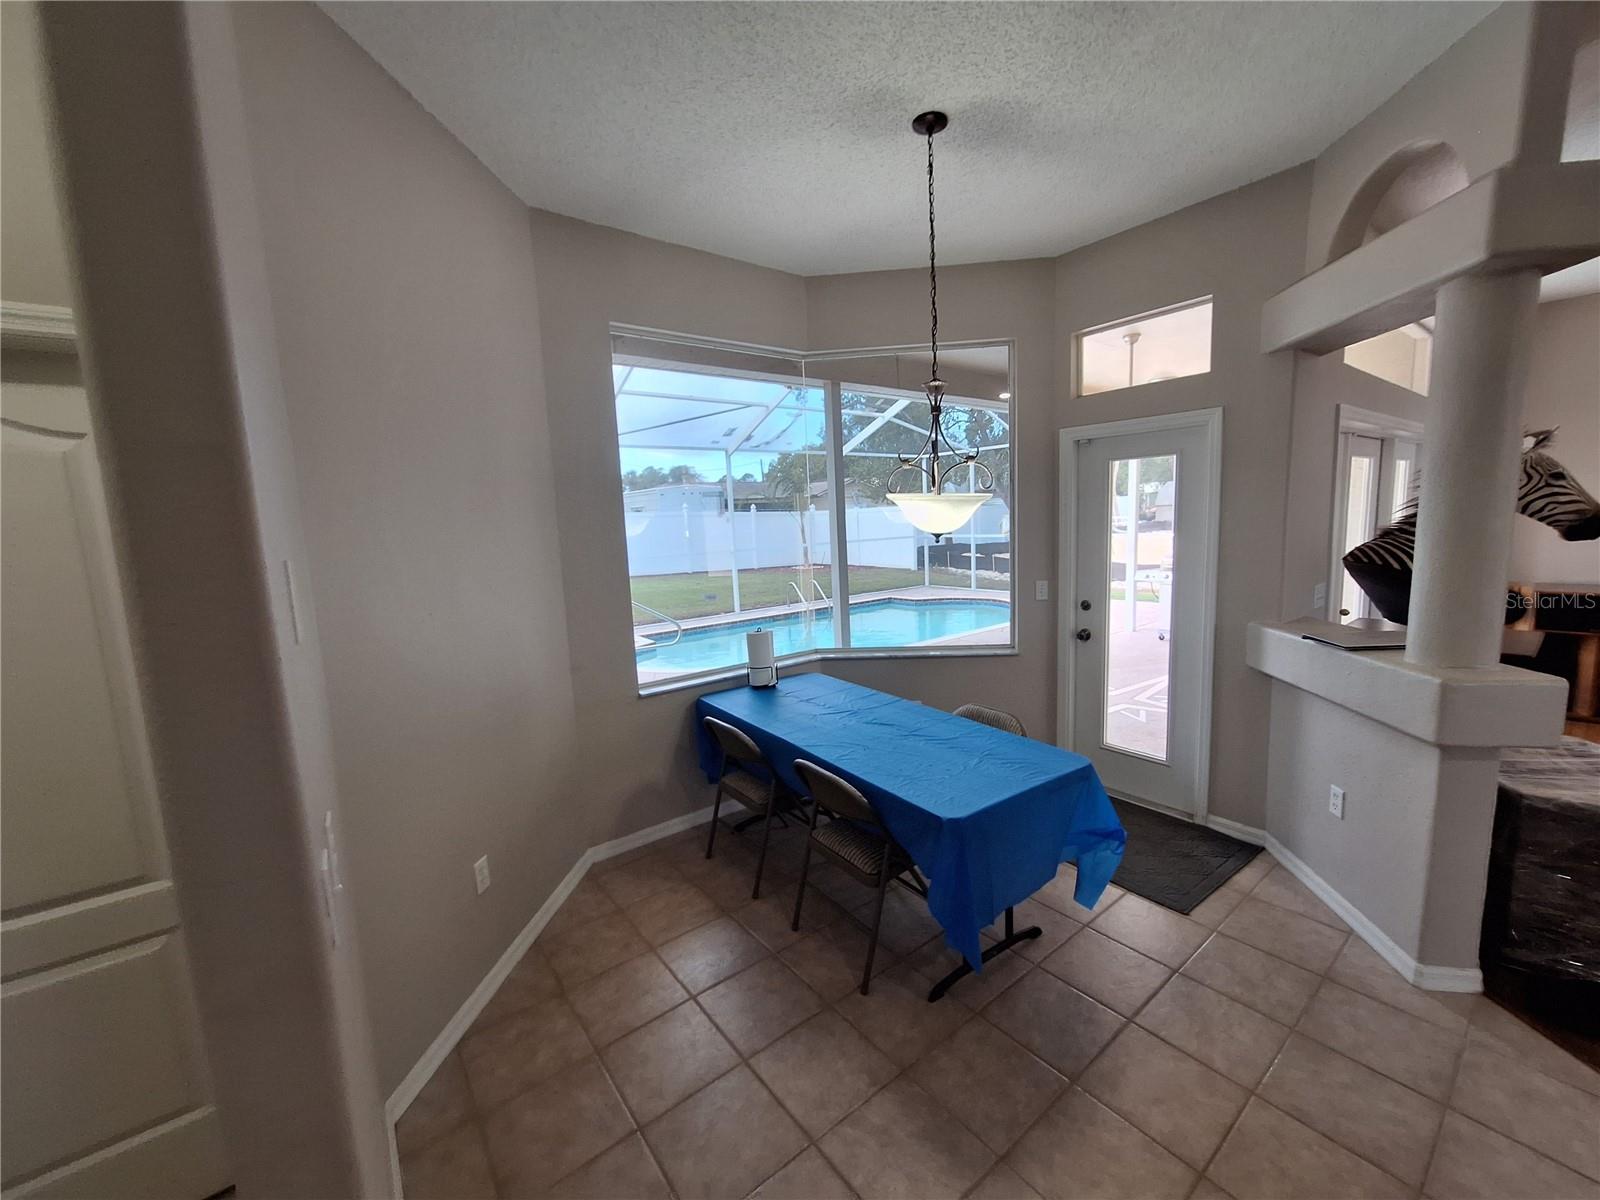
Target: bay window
[{"x": 728, "y": 461}]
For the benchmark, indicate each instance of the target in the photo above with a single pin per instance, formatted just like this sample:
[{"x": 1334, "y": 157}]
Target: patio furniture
[
  {"x": 744, "y": 774},
  {"x": 989, "y": 836},
  {"x": 992, "y": 717},
  {"x": 857, "y": 843}
]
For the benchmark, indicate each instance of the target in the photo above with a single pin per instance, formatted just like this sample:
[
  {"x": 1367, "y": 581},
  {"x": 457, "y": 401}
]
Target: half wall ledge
[{"x": 1481, "y": 707}]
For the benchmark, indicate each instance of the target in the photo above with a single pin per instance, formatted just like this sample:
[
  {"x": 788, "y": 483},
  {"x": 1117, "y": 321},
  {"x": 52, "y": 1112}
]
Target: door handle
[{"x": 1083, "y": 635}]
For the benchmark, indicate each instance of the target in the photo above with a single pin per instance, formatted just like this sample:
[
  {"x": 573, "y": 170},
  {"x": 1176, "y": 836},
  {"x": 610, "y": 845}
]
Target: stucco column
[{"x": 1471, "y": 453}]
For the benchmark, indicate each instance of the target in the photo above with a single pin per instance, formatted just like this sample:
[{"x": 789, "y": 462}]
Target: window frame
[
  {"x": 1165, "y": 310},
  {"x": 837, "y": 512}
]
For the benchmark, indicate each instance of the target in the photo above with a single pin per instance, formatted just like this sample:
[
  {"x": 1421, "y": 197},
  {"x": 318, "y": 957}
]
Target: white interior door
[
  {"x": 104, "y": 1090},
  {"x": 1139, "y": 588}
]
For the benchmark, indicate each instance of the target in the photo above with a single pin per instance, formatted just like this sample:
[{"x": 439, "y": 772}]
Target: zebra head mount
[
  {"x": 1546, "y": 492},
  {"x": 1550, "y": 495}
]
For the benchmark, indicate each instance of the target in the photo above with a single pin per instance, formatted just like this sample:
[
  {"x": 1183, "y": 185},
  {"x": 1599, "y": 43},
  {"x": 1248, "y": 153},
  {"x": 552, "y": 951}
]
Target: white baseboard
[
  {"x": 1423, "y": 975},
  {"x": 402, "y": 1096},
  {"x": 1245, "y": 833},
  {"x": 643, "y": 837}
]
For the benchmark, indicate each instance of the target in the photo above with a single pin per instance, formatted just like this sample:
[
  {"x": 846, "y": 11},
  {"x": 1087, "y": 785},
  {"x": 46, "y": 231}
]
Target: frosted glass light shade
[{"x": 938, "y": 513}]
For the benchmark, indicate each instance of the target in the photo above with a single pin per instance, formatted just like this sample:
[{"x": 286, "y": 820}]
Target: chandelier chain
[{"x": 933, "y": 271}]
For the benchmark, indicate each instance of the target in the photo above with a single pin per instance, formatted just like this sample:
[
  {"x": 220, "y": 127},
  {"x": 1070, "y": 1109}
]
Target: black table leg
[{"x": 1012, "y": 937}]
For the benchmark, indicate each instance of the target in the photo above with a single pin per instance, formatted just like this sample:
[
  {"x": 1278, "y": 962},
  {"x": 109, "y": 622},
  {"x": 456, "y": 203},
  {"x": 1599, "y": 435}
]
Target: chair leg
[
  {"x": 766, "y": 836},
  {"x": 716, "y": 807},
  {"x": 877, "y": 924},
  {"x": 800, "y": 895}
]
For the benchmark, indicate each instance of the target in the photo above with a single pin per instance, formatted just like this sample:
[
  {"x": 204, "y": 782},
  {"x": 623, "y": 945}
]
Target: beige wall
[
  {"x": 636, "y": 752},
  {"x": 1564, "y": 390},
  {"x": 403, "y": 293},
  {"x": 1241, "y": 248},
  {"x": 33, "y": 256},
  {"x": 1408, "y": 852},
  {"x": 1470, "y": 98}
]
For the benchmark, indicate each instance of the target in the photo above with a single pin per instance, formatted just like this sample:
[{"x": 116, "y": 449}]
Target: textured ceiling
[{"x": 779, "y": 133}]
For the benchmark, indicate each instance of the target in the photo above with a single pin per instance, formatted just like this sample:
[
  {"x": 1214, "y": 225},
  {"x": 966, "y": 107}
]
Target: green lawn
[
  {"x": 1146, "y": 592},
  {"x": 685, "y": 596}
]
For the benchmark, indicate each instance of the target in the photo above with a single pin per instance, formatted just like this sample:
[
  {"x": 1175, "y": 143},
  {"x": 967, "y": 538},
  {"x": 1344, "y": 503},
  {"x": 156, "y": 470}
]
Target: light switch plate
[
  {"x": 1336, "y": 802},
  {"x": 480, "y": 873},
  {"x": 1319, "y": 597},
  {"x": 1041, "y": 589}
]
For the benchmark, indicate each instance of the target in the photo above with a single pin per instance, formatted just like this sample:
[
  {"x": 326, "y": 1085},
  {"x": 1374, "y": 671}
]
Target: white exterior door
[
  {"x": 105, "y": 1089},
  {"x": 1138, "y": 587}
]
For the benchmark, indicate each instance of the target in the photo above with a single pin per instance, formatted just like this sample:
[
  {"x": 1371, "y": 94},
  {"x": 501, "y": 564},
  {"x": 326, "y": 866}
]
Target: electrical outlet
[
  {"x": 1041, "y": 589},
  {"x": 1319, "y": 597},
  {"x": 480, "y": 872},
  {"x": 1336, "y": 802}
]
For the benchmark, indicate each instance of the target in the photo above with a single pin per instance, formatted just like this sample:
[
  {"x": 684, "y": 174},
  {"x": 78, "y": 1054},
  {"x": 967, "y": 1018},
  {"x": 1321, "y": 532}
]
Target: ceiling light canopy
[{"x": 937, "y": 511}]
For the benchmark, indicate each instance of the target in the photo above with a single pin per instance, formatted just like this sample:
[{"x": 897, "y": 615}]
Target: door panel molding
[
  {"x": 162, "y": 1162},
  {"x": 62, "y": 932},
  {"x": 1209, "y": 421},
  {"x": 106, "y": 1086}
]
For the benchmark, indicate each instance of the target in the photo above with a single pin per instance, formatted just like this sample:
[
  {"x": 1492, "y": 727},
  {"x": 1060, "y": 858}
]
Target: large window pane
[
  {"x": 905, "y": 589},
  {"x": 724, "y": 466},
  {"x": 724, "y": 458}
]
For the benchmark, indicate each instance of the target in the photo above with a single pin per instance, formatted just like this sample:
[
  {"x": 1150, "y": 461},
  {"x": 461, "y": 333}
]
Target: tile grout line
[
  {"x": 1253, "y": 1091},
  {"x": 1444, "y": 1115},
  {"x": 476, "y": 1117},
  {"x": 828, "y": 1006},
  {"x": 744, "y": 1060}
]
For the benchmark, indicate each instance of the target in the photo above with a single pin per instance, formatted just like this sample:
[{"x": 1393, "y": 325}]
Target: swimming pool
[{"x": 873, "y": 623}]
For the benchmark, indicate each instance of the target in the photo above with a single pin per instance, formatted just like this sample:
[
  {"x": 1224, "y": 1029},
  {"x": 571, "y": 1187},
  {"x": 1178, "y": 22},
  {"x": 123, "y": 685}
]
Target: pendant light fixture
[{"x": 937, "y": 511}]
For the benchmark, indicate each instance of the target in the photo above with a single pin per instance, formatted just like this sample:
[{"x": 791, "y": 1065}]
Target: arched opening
[{"x": 1413, "y": 179}]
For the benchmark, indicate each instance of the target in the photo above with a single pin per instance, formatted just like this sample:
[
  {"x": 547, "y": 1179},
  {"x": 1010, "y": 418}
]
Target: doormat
[{"x": 1174, "y": 863}]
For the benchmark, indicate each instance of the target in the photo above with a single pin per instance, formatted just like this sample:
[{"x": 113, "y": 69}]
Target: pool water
[{"x": 874, "y": 623}]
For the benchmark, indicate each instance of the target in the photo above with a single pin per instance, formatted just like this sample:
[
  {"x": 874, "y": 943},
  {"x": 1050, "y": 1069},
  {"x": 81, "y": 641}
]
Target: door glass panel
[
  {"x": 1357, "y": 527},
  {"x": 1405, "y": 461},
  {"x": 1139, "y": 577}
]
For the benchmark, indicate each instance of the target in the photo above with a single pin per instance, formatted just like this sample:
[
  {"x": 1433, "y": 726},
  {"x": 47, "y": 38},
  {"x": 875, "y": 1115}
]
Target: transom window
[
  {"x": 1166, "y": 344},
  {"x": 727, "y": 461}
]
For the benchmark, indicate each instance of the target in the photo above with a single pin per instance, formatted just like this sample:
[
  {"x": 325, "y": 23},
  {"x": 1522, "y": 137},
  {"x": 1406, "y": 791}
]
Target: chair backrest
[
  {"x": 735, "y": 743},
  {"x": 835, "y": 795},
  {"x": 992, "y": 717}
]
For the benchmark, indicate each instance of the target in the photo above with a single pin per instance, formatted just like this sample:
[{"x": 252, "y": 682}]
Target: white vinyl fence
[{"x": 685, "y": 541}]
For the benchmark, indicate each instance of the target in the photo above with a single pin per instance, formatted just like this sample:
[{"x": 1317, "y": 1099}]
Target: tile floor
[{"x": 668, "y": 1036}]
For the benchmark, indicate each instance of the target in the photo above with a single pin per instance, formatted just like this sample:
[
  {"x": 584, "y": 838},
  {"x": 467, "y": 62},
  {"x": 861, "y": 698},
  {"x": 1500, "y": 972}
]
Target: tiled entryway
[{"x": 668, "y": 1036}]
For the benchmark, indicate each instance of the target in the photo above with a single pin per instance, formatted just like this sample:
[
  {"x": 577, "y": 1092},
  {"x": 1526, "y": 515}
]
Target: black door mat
[{"x": 1174, "y": 863}]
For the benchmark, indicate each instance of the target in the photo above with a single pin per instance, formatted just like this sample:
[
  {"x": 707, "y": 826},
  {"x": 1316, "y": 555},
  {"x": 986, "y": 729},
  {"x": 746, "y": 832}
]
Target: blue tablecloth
[{"x": 987, "y": 815}]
